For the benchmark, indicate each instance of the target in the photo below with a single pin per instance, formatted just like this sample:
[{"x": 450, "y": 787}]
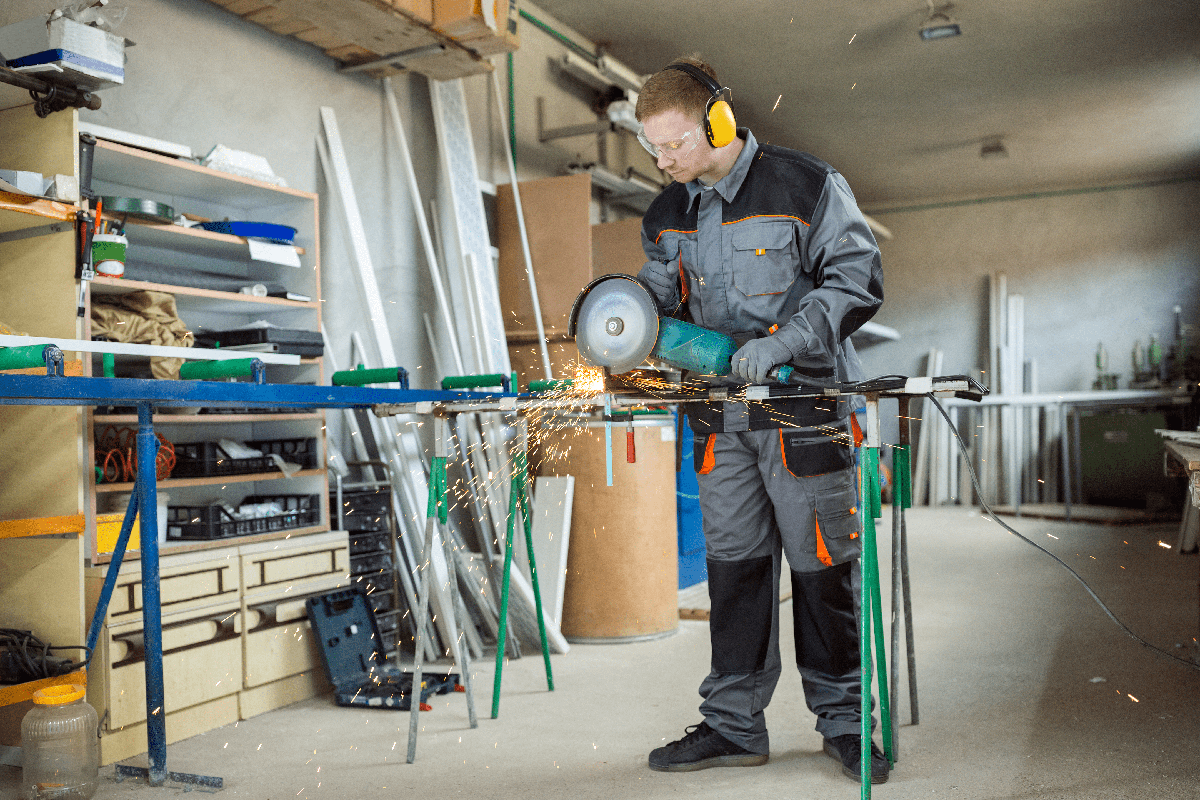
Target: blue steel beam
[{"x": 60, "y": 391}]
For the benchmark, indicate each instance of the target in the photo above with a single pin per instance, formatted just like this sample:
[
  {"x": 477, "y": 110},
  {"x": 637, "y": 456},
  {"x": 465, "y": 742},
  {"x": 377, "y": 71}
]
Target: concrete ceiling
[{"x": 1082, "y": 92}]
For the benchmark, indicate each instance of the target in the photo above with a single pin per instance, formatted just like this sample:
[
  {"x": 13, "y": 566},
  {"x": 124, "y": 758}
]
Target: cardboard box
[
  {"x": 88, "y": 57},
  {"x": 419, "y": 10},
  {"x": 466, "y": 20}
]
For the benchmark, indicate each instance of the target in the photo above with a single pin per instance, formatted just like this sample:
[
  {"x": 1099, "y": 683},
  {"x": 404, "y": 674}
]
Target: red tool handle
[{"x": 630, "y": 448}]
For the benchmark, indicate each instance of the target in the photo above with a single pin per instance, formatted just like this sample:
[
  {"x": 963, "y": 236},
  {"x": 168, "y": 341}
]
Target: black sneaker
[
  {"x": 701, "y": 748},
  {"x": 848, "y": 750}
]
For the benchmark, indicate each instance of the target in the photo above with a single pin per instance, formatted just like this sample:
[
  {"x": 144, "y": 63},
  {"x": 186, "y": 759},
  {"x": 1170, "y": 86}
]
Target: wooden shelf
[
  {"x": 163, "y": 418},
  {"x": 129, "y": 166},
  {"x": 18, "y": 211},
  {"x": 102, "y": 285},
  {"x": 20, "y": 692},
  {"x": 191, "y": 240},
  {"x": 46, "y": 526},
  {"x": 171, "y": 548},
  {"x": 216, "y": 480}
]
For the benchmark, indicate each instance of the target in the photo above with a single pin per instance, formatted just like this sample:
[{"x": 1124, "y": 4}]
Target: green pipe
[
  {"x": 475, "y": 381},
  {"x": 519, "y": 483},
  {"x": 561, "y": 37},
  {"x": 361, "y": 376},
  {"x": 503, "y": 632},
  {"x": 26, "y": 357},
  {"x": 551, "y": 386},
  {"x": 212, "y": 370},
  {"x": 110, "y": 365},
  {"x": 512, "y": 112}
]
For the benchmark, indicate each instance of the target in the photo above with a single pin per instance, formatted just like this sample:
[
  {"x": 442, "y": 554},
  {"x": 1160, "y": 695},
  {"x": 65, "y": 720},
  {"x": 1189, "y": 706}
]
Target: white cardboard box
[{"x": 64, "y": 51}]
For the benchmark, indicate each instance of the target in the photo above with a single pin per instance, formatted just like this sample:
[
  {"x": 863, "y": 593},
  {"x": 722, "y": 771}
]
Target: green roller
[
  {"x": 212, "y": 370},
  {"x": 475, "y": 381},
  {"x": 23, "y": 357},
  {"x": 362, "y": 377},
  {"x": 550, "y": 386}
]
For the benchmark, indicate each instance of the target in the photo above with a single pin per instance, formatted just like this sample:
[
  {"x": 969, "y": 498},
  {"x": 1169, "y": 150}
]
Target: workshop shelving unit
[{"x": 252, "y": 630}]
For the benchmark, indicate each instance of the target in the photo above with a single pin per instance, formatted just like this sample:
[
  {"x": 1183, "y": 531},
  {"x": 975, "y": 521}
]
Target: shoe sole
[
  {"x": 852, "y": 774},
  {"x": 751, "y": 760}
]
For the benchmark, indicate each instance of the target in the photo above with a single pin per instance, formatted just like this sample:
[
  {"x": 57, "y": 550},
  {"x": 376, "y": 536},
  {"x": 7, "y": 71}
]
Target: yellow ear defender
[{"x": 719, "y": 125}]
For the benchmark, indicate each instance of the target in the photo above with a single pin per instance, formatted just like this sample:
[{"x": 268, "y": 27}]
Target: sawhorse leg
[
  {"x": 901, "y": 590},
  {"x": 145, "y": 498},
  {"x": 871, "y": 616},
  {"x": 518, "y": 500},
  {"x": 438, "y": 511}
]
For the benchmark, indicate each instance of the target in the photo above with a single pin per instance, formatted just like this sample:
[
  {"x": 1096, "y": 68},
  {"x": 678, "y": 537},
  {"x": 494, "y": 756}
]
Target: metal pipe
[{"x": 156, "y": 712}]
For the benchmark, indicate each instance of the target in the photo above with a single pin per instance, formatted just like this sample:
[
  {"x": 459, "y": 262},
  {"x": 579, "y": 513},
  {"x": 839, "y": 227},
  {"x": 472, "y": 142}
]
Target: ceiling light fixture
[{"x": 939, "y": 24}]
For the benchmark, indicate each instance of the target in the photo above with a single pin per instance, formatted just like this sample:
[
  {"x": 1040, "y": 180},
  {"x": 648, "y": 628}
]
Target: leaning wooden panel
[{"x": 559, "y": 229}]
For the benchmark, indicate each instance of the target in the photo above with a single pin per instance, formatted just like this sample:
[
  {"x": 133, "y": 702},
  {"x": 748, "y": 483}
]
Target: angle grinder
[{"x": 615, "y": 324}]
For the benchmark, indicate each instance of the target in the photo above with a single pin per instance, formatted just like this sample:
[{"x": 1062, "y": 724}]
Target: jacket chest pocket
[{"x": 765, "y": 258}]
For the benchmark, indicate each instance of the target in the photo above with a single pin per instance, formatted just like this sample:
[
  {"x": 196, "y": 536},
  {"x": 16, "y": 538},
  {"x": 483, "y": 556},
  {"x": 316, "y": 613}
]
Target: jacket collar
[{"x": 728, "y": 186}]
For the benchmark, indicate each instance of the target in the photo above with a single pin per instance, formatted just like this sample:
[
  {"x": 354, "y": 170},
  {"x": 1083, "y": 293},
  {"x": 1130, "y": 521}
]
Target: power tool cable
[{"x": 983, "y": 503}]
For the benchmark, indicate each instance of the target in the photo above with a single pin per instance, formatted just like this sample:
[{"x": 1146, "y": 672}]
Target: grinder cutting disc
[{"x": 615, "y": 322}]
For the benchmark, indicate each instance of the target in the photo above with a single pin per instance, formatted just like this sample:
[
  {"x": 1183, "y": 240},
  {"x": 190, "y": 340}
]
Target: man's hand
[{"x": 756, "y": 358}]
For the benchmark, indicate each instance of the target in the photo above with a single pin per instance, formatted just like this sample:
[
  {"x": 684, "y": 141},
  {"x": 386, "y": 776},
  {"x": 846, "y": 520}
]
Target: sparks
[{"x": 777, "y": 99}]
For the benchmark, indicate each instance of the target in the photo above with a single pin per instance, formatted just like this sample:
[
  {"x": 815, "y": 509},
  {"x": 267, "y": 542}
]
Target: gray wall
[{"x": 1100, "y": 265}]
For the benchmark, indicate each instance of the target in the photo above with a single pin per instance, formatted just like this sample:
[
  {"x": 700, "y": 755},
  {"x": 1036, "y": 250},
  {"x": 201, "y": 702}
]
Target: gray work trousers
[{"x": 754, "y": 511}]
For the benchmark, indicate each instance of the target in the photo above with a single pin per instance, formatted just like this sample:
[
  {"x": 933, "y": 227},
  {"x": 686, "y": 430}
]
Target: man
[{"x": 768, "y": 245}]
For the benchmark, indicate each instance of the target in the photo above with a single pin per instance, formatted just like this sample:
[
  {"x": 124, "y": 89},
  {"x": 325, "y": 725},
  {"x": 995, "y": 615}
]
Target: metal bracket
[
  {"x": 549, "y": 134},
  {"x": 38, "y": 230},
  {"x": 206, "y": 781},
  {"x": 396, "y": 59}
]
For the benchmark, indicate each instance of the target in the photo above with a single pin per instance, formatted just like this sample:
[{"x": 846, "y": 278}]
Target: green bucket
[{"x": 108, "y": 254}]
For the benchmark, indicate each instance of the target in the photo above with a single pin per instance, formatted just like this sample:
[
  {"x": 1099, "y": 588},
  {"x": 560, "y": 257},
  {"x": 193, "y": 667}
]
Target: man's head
[{"x": 671, "y": 107}]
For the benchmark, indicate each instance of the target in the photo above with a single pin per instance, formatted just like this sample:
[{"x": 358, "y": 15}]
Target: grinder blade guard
[{"x": 614, "y": 322}]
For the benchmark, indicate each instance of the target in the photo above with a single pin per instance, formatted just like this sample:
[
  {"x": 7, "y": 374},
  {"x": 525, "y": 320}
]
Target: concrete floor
[{"x": 1027, "y": 690}]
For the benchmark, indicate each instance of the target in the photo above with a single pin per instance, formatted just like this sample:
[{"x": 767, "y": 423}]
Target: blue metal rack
[{"x": 55, "y": 390}]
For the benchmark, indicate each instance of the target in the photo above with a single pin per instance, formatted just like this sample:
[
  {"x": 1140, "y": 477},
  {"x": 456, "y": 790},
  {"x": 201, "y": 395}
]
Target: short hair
[{"x": 671, "y": 89}]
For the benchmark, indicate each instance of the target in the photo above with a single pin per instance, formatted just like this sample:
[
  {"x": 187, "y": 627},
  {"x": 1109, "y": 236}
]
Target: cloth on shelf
[{"x": 143, "y": 317}]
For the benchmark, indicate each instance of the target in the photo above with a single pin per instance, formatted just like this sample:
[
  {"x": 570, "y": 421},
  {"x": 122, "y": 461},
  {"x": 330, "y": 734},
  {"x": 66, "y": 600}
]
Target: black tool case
[
  {"x": 351, "y": 648},
  {"x": 280, "y": 340}
]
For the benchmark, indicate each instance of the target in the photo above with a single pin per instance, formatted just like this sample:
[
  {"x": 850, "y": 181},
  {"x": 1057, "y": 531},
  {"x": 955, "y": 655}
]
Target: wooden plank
[
  {"x": 617, "y": 247},
  {"x": 44, "y": 526},
  {"x": 560, "y": 243},
  {"x": 1186, "y": 453},
  {"x": 371, "y": 24}
]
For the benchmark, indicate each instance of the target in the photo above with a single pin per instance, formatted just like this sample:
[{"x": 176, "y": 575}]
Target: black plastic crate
[
  {"x": 369, "y": 564},
  {"x": 366, "y": 510},
  {"x": 214, "y": 522},
  {"x": 295, "y": 451},
  {"x": 207, "y": 459},
  {"x": 365, "y": 543}
]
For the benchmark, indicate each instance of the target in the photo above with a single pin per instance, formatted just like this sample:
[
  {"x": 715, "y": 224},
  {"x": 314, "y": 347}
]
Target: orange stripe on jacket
[
  {"x": 822, "y": 552},
  {"x": 710, "y": 460}
]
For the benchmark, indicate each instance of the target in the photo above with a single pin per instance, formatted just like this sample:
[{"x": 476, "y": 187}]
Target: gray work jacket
[{"x": 779, "y": 241}]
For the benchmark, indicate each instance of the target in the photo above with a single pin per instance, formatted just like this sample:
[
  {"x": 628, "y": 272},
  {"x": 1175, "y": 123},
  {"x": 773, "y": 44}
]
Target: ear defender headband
[{"x": 719, "y": 125}]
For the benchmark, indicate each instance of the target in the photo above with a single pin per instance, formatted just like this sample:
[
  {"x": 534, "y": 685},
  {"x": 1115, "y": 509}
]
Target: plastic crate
[
  {"x": 214, "y": 522},
  {"x": 207, "y": 459},
  {"x": 296, "y": 451},
  {"x": 363, "y": 510},
  {"x": 366, "y": 543},
  {"x": 376, "y": 563}
]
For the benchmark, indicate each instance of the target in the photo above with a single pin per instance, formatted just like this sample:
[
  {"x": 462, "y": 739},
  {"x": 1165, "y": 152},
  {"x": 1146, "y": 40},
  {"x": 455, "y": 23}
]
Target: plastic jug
[{"x": 60, "y": 746}]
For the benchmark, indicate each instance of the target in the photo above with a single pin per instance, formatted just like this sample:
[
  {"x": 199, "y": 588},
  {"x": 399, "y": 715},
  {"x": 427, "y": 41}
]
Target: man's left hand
[{"x": 756, "y": 358}]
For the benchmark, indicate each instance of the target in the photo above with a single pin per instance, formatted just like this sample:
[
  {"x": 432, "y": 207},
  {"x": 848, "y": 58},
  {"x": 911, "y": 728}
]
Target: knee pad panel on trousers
[
  {"x": 742, "y": 594},
  {"x": 824, "y": 620}
]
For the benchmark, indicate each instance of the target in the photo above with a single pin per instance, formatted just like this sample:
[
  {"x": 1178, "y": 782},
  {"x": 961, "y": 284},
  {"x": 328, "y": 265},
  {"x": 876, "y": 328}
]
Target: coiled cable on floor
[{"x": 979, "y": 493}]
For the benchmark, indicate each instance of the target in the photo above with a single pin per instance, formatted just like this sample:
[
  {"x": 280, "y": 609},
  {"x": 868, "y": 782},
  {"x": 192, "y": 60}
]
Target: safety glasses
[{"x": 676, "y": 148}]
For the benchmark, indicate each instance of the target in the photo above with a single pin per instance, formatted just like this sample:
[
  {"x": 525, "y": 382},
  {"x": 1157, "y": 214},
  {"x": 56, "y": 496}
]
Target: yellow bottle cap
[{"x": 59, "y": 695}]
